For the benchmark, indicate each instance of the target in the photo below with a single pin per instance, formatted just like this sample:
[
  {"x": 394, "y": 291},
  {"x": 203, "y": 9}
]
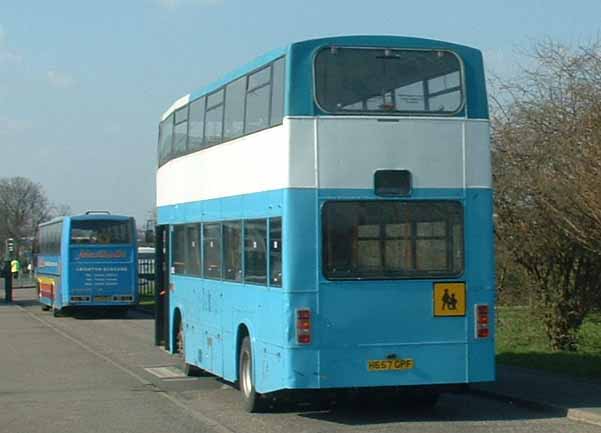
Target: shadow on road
[
  {"x": 105, "y": 314},
  {"x": 451, "y": 408},
  {"x": 372, "y": 408}
]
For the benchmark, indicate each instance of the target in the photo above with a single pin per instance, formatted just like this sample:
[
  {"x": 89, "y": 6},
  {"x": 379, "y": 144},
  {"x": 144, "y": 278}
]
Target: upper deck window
[{"x": 388, "y": 81}]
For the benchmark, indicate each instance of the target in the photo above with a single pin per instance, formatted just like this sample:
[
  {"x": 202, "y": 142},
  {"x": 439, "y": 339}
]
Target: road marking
[
  {"x": 167, "y": 372},
  {"x": 199, "y": 416}
]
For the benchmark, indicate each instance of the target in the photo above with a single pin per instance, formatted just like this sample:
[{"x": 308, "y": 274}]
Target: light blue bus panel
[
  {"x": 94, "y": 262},
  {"x": 329, "y": 209}
]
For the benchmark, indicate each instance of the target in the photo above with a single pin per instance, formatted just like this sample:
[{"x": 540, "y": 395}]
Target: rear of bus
[
  {"x": 400, "y": 214},
  {"x": 102, "y": 264}
]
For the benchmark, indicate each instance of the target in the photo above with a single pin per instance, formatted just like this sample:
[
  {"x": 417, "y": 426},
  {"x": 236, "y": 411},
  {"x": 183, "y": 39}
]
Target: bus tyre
[
  {"x": 45, "y": 307},
  {"x": 253, "y": 401},
  {"x": 180, "y": 345},
  {"x": 180, "y": 349},
  {"x": 424, "y": 399},
  {"x": 192, "y": 370},
  {"x": 56, "y": 312}
]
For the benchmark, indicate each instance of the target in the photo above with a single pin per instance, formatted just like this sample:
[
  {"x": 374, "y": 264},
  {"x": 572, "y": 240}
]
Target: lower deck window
[{"x": 392, "y": 239}]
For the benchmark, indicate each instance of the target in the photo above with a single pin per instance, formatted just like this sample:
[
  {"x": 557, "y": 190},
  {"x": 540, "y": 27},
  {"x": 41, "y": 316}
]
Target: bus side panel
[
  {"x": 49, "y": 280},
  {"x": 481, "y": 275}
]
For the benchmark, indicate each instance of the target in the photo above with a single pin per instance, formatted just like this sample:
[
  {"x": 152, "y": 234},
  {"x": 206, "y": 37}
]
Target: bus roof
[
  {"x": 302, "y": 52},
  {"x": 82, "y": 217}
]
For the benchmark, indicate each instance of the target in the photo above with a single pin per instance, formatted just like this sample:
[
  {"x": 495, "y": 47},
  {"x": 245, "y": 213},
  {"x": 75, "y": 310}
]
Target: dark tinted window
[
  {"x": 214, "y": 125},
  {"x": 388, "y": 81},
  {"x": 255, "y": 247},
  {"x": 178, "y": 260},
  {"x": 165, "y": 139},
  {"x": 50, "y": 239},
  {"x": 212, "y": 250},
  {"x": 275, "y": 252},
  {"x": 277, "y": 92},
  {"x": 234, "y": 109},
  {"x": 259, "y": 78},
  {"x": 215, "y": 99},
  {"x": 85, "y": 232},
  {"x": 257, "y": 109},
  {"x": 248, "y": 104},
  {"x": 192, "y": 266},
  {"x": 196, "y": 124},
  {"x": 232, "y": 251},
  {"x": 180, "y": 132},
  {"x": 391, "y": 239}
]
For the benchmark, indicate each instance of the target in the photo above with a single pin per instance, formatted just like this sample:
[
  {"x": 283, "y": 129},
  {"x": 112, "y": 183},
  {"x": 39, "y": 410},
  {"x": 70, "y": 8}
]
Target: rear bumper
[
  {"x": 102, "y": 300},
  {"x": 442, "y": 364}
]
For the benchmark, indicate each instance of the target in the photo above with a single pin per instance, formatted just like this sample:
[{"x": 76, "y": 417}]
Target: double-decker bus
[
  {"x": 87, "y": 261},
  {"x": 325, "y": 214}
]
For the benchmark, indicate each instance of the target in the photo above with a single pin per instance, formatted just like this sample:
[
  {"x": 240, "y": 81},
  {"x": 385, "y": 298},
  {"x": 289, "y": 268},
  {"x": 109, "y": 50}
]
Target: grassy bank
[{"x": 521, "y": 341}]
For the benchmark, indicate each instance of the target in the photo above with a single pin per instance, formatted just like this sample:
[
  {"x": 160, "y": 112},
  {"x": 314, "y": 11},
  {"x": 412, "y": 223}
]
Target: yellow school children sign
[{"x": 449, "y": 299}]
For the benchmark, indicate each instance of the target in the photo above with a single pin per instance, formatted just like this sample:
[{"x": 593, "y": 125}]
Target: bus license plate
[
  {"x": 103, "y": 298},
  {"x": 390, "y": 364}
]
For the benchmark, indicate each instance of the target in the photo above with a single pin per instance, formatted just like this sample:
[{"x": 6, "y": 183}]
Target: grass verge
[{"x": 521, "y": 341}]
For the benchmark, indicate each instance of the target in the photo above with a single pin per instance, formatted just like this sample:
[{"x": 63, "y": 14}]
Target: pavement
[
  {"x": 577, "y": 399},
  {"x": 123, "y": 391}
]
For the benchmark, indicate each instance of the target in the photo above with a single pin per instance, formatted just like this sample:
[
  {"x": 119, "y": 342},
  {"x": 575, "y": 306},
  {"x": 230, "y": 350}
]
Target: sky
[{"x": 83, "y": 83}]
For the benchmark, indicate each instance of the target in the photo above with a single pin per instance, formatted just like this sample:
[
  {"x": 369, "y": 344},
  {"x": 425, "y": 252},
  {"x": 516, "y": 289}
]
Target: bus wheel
[
  {"x": 180, "y": 348},
  {"x": 56, "y": 312},
  {"x": 421, "y": 398},
  {"x": 45, "y": 307},
  {"x": 179, "y": 339},
  {"x": 253, "y": 401}
]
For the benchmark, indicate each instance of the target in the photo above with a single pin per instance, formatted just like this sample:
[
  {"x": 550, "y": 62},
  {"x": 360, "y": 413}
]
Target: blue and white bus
[
  {"x": 328, "y": 216},
  {"x": 87, "y": 261}
]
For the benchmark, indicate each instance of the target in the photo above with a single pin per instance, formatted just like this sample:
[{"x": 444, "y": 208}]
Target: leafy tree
[{"x": 547, "y": 168}]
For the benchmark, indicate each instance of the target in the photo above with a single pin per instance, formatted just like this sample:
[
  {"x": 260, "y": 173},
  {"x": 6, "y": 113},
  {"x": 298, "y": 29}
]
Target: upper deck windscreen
[
  {"x": 388, "y": 81},
  {"x": 101, "y": 232}
]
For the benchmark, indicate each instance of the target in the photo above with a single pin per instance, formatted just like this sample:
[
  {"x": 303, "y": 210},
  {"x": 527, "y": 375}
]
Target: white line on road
[{"x": 192, "y": 412}]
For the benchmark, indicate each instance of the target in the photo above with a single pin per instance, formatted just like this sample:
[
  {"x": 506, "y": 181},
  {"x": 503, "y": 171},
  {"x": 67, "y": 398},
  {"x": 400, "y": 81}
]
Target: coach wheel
[
  {"x": 45, "y": 307},
  {"x": 253, "y": 401}
]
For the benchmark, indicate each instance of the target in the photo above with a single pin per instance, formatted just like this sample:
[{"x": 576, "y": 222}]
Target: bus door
[{"x": 161, "y": 291}]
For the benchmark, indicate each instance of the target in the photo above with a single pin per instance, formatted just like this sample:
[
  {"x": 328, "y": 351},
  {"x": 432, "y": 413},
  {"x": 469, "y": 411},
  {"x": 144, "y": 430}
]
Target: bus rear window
[
  {"x": 388, "y": 81},
  {"x": 392, "y": 239},
  {"x": 103, "y": 232}
]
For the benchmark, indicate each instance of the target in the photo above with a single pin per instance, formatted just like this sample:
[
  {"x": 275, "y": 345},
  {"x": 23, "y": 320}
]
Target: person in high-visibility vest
[{"x": 15, "y": 267}]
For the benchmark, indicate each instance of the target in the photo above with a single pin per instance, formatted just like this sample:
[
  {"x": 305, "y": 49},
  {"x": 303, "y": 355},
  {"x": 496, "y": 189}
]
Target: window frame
[
  {"x": 185, "y": 151},
  {"x": 240, "y": 223},
  {"x": 223, "y": 88},
  {"x": 415, "y": 275},
  {"x": 270, "y": 250},
  {"x": 266, "y": 252},
  {"x": 219, "y": 224},
  {"x": 400, "y": 113}
]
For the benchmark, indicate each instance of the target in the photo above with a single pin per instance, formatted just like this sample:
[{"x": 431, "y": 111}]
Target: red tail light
[
  {"x": 303, "y": 326},
  {"x": 482, "y": 321}
]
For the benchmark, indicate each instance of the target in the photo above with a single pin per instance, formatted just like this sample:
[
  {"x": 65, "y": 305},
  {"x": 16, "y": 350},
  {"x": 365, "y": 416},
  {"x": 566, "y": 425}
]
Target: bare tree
[
  {"x": 547, "y": 167},
  {"x": 24, "y": 205}
]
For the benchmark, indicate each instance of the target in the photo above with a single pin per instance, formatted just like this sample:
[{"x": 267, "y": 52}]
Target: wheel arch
[
  {"x": 177, "y": 319},
  {"x": 243, "y": 330}
]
